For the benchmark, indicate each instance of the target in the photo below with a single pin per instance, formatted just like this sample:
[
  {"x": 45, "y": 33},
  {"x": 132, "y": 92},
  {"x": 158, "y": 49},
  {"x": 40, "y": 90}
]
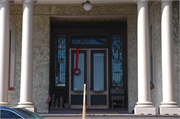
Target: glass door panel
[
  {"x": 98, "y": 93},
  {"x": 79, "y": 80},
  {"x": 98, "y": 71},
  {"x": 76, "y": 82}
]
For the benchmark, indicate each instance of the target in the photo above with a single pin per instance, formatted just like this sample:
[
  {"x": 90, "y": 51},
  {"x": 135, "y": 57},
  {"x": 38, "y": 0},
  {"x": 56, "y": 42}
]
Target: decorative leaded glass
[
  {"x": 88, "y": 40},
  {"x": 117, "y": 70},
  {"x": 60, "y": 61}
]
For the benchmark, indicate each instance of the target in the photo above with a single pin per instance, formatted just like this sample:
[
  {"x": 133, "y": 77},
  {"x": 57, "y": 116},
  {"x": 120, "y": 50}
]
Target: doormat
[{"x": 98, "y": 112}]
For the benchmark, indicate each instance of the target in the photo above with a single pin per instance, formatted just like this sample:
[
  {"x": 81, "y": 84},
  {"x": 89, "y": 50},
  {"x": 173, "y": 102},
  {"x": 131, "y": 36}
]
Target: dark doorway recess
[{"x": 75, "y": 30}]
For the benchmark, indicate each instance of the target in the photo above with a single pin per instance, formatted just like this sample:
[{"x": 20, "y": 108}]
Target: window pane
[
  {"x": 151, "y": 54},
  {"x": 98, "y": 71},
  {"x": 60, "y": 61},
  {"x": 117, "y": 70},
  {"x": 88, "y": 40},
  {"x": 79, "y": 80},
  {"x": 8, "y": 114}
]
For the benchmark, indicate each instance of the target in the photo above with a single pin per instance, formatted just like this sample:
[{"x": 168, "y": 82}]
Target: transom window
[{"x": 88, "y": 40}]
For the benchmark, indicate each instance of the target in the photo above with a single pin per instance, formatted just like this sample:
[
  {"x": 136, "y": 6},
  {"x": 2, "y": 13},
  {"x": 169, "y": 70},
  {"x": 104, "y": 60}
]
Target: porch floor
[{"x": 89, "y": 111}]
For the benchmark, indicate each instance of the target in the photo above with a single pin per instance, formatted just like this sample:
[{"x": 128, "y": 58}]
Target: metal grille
[
  {"x": 60, "y": 61},
  {"x": 117, "y": 70}
]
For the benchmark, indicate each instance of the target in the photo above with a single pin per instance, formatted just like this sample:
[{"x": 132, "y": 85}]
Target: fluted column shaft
[
  {"x": 4, "y": 51},
  {"x": 168, "y": 82},
  {"x": 27, "y": 55}
]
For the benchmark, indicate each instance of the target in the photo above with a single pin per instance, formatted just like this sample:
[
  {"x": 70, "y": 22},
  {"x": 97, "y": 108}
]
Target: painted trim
[
  {"x": 12, "y": 55},
  {"x": 11, "y": 88}
]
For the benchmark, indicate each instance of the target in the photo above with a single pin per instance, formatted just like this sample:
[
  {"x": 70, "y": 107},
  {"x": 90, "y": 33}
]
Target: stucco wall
[
  {"x": 41, "y": 49},
  {"x": 175, "y": 21},
  {"x": 132, "y": 62},
  {"x": 156, "y": 93},
  {"x": 40, "y": 62},
  {"x": 14, "y": 96}
]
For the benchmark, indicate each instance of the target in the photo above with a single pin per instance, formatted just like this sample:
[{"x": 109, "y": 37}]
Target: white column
[
  {"x": 144, "y": 104},
  {"x": 26, "y": 91},
  {"x": 4, "y": 51},
  {"x": 168, "y": 81}
]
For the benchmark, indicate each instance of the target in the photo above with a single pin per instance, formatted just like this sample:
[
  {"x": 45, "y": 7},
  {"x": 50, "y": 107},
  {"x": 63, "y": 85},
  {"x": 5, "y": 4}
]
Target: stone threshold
[{"x": 107, "y": 115}]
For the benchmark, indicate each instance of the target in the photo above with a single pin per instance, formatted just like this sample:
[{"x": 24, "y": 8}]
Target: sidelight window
[
  {"x": 117, "y": 59},
  {"x": 60, "y": 61}
]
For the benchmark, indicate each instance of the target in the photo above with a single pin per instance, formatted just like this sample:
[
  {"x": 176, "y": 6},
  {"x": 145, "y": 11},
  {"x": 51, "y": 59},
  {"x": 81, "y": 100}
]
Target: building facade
[{"x": 128, "y": 46}]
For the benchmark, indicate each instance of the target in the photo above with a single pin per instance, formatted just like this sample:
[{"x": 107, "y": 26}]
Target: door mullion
[{"x": 88, "y": 77}]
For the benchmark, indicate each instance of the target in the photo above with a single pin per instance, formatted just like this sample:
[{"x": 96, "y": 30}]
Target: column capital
[
  {"x": 29, "y": 1},
  {"x": 6, "y": 1}
]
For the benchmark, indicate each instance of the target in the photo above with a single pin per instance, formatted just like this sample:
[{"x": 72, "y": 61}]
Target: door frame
[
  {"x": 69, "y": 78},
  {"x": 105, "y": 92}
]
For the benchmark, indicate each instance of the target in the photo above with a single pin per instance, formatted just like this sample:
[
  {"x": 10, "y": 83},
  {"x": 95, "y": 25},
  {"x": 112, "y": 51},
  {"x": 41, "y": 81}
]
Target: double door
[{"x": 93, "y": 64}]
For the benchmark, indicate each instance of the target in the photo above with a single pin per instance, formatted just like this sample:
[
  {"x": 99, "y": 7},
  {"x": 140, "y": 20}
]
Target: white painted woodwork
[
  {"x": 4, "y": 51},
  {"x": 26, "y": 89},
  {"x": 168, "y": 81},
  {"x": 144, "y": 97}
]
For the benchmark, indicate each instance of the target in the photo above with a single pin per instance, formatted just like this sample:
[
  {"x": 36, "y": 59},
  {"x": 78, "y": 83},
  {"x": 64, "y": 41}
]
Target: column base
[
  {"x": 169, "y": 111},
  {"x": 33, "y": 109},
  {"x": 4, "y": 103},
  {"x": 27, "y": 105},
  {"x": 145, "y": 110}
]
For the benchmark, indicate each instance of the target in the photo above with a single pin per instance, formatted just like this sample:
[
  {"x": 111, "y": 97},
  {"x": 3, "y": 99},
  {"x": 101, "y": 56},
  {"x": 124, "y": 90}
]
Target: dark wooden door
[{"x": 68, "y": 31}]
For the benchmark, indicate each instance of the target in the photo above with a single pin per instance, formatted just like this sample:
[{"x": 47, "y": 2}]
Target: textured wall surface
[
  {"x": 14, "y": 96},
  {"x": 78, "y": 10},
  {"x": 175, "y": 17},
  {"x": 156, "y": 93},
  {"x": 40, "y": 63},
  {"x": 41, "y": 49},
  {"x": 132, "y": 62}
]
